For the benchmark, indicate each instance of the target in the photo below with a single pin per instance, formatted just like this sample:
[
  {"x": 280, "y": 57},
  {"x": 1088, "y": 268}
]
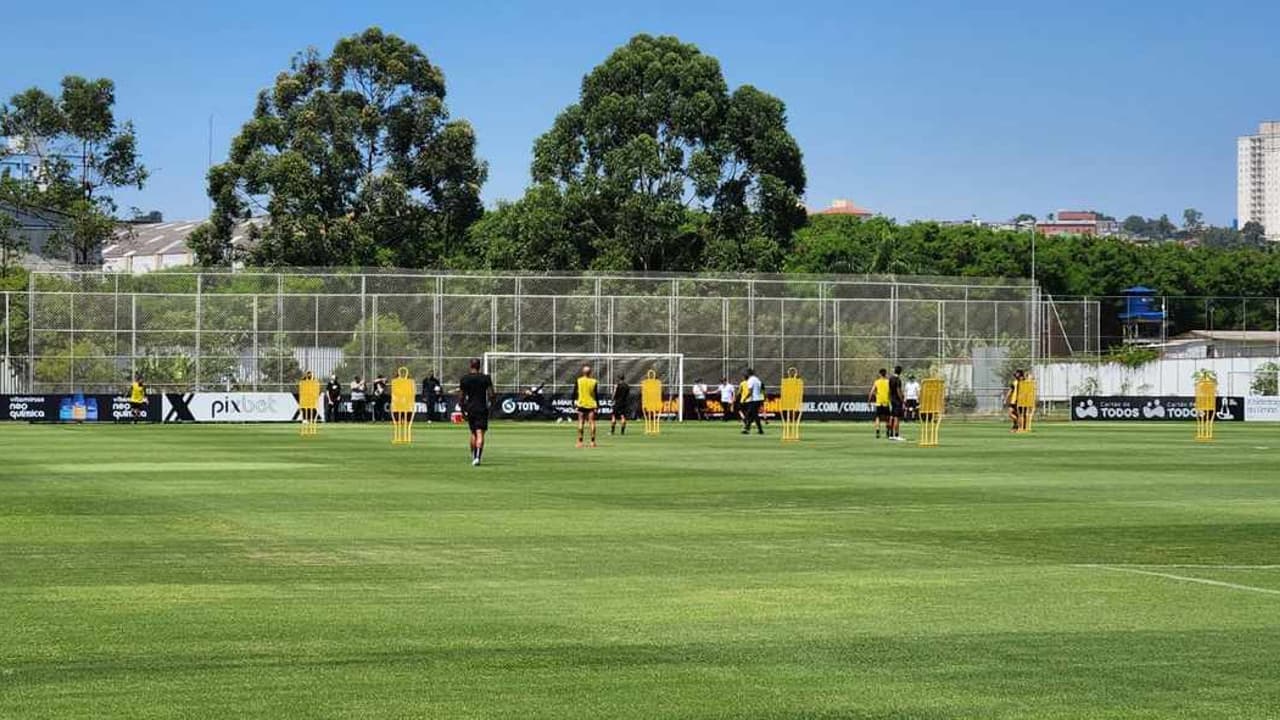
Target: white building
[
  {"x": 1258, "y": 179},
  {"x": 142, "y": 248}
]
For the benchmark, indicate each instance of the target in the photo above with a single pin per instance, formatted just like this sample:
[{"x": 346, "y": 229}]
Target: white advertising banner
[
  {"x": 1262, "y": 409},
  {"x": 231, "y": 407}
]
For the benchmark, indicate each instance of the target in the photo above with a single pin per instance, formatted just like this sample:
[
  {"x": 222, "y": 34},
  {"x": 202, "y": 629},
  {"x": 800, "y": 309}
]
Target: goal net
[{"x": 552, "y": 375}]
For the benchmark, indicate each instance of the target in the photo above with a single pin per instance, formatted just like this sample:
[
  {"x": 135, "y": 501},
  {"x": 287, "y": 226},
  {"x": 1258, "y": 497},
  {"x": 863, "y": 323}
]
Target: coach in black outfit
[{"x": 332, "y": 399}]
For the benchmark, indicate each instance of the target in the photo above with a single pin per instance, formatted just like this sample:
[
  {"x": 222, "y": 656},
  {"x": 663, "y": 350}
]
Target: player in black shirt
[
  {"x": 621, "y": 404},
  {"x": 475, "y": 395},
  {"x": 332, "y": 399},
  {"x": 896, "y": 404}
]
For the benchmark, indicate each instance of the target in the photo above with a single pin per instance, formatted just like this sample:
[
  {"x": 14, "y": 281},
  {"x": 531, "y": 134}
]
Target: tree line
[{"x": 354, "y": 159}]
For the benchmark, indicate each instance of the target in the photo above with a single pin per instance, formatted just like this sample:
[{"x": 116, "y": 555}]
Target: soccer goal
[{"x": 554, "y": 373}]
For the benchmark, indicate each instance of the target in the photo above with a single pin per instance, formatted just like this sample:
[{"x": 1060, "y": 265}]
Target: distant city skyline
[{"x": 923, "y": 111}]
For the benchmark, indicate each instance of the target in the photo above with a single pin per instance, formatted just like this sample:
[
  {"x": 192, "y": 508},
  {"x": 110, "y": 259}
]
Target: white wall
[{"x": 1059, "y": 381}]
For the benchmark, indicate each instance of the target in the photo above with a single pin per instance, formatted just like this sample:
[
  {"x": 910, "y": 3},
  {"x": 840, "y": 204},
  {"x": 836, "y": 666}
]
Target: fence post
[
  {"x": 598, "y": 301},
  {"x": 256, "y": 368},
  {"x": 71, "y": 348},
  {"x": 280, "y": 330},
  {"x": 133, "y": 334},
  {"x": 437, "y": 320},
  {"x": 8, "y": 369},
  {"x": 199, "y": 325},
  {"x": 31, "y": 332},
  {"x": 373, "y": 335}
]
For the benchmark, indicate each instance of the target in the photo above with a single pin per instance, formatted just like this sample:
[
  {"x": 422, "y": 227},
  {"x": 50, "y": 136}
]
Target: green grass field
[{"x": 1084, "y": 571}]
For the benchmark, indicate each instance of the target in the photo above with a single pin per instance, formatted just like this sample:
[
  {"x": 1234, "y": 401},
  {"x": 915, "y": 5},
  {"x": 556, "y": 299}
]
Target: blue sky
[{"x": 913, "y": 109}]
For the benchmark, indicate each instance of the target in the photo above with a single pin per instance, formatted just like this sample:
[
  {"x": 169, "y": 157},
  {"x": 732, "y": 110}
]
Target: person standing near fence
[
  {"x": 621, "y": 405},
  {"x": 727, "y": 392},
  {"x": 1011, "y": 399},
  {"x": 587, "y": 401},
  {"x": 381, "y": 399},
  {"x": 137, "y": 399},
  {"x": 700, "y": 399},
  {"x": 880, "y": 396},
  {"x": 896, "y": 405},
  {"x": 431, "y": 396},
  {"x": 332, "y": 399},
  {"x": 358, "y": 400},
  {"x": 911, "y": 392},
  {"x": 753, "y": 400}
]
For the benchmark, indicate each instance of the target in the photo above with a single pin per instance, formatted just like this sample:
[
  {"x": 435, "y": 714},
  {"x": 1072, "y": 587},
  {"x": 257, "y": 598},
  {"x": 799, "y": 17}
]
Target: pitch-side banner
[
  {"x": 1149, "y": 409},
  {"x": 233, "y": 407},
  {"x": 75, "y": 408},
  {"x": 557, "y": 406},
  {"x": 1262, "y": 409}
]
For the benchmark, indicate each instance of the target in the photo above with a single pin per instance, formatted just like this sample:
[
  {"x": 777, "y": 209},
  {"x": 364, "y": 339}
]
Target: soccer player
[
  {"x": 332, "y": 399},
  {"x": 880, "y": 396},
  {"x": 726, "y": 399},
  {"x": 1011, "y": 399},
  {"x": 699, "y": 399},
  {"x": 621, "y": 404},
  {"x": 896, "y": 405},
  {"x": 586, "y": 400},
  {"x": 475, "y": 396},
  {"x": 911, "y": 391},
  {"x": 137, "y": 398},
  {"x": 753, "y": 400}
]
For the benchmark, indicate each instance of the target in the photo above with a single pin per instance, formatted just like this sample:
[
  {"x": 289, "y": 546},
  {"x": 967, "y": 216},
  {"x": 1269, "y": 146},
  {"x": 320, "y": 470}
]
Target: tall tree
[
  {"x": 1254, "y": 234},
  {"x": 1192, "y": 220},
  {"x": 354, "y": 159},
  {"x": 655, "y": 134},
  {"x": 80, "y": 154}
]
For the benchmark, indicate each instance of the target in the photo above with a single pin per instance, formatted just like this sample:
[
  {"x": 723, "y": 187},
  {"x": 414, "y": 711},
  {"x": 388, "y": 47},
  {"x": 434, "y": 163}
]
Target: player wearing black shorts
[
  {"x": 1011, "y": 400},
  {"x": 475, "y": 395},
  {"x": 880, "y": 396},
  {"x": 587, "y": 400},
  {"x": 896, "y": 404},
  {"x": 621, "y": 405}
]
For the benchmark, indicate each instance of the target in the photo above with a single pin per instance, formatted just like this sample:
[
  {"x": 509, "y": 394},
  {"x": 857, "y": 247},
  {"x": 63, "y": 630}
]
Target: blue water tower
[{"x": 1143, "y": 318}]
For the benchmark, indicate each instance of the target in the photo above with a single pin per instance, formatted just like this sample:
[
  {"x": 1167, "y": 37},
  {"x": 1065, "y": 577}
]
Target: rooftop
[
  {"x": 165, "y": 238},
  {"x": 841, "y": 206}
]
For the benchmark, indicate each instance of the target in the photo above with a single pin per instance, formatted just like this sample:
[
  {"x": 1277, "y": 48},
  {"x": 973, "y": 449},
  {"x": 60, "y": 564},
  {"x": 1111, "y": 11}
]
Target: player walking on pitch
[
  {"x": 475, "y": 395},
  {"x": 621, "y": 404},
  {"x": 753, "y": 399},
  {"x": 587, "y": 401}
]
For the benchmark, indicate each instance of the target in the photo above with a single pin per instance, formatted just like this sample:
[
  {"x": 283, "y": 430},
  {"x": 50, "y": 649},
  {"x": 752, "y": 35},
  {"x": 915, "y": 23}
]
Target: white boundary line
[{"x": 1182, "y": 578}]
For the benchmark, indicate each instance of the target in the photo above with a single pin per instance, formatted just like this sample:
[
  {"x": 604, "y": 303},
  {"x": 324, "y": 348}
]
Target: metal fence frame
[{"x": 85, "y": 326}]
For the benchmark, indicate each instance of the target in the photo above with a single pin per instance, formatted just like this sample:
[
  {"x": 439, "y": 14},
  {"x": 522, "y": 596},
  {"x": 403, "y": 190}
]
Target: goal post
[{"x": 555, "y": 372}]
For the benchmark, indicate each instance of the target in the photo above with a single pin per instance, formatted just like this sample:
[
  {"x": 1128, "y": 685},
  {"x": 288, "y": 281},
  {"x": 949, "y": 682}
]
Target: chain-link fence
[
  {"x": 89, "y": 331},
  {"x": 251, "y": 330}
]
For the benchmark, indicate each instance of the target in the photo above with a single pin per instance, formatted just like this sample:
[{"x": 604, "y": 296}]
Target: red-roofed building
[
  {"x": 1078, "y": 222},
  {"x": 844, "y": 207}
]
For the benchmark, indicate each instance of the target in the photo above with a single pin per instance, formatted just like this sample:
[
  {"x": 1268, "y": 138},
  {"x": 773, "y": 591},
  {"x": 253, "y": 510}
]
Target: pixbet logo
[{"x": 242, "y": 405}]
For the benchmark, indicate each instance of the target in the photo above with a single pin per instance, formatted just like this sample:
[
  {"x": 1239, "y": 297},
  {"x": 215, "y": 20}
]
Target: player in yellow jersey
[
  {"x": 137, "y": 399},
  {"x": 587, "y": 401},
  {"x": 881, "y": 397}
]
